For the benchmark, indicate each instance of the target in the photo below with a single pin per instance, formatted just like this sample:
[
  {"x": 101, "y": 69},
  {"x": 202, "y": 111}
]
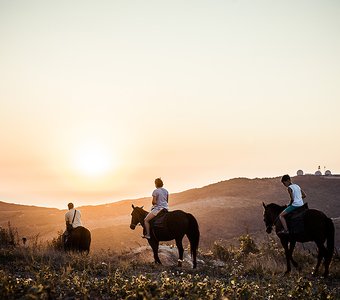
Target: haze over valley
[{"x": 224, "y": 210}]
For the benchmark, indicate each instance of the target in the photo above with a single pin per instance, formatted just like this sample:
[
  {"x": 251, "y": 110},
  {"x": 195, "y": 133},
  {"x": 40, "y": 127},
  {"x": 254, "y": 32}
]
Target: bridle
[
  {"x": 269, "y": 227},
  {"x": 138, "y": 216}
]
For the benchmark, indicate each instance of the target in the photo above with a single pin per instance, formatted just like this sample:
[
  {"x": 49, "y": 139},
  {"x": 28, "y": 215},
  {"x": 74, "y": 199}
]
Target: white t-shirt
[
  {"x": 162, "y": 197},
  {"x": 77, "y": 219},
  {"x": 297, "y": 195}
]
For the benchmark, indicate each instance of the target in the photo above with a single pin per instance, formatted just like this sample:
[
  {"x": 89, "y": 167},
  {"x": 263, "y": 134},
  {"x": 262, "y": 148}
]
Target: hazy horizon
[
  {"x": 97, "y": 99},
  {"x": 63, "y": 205}
]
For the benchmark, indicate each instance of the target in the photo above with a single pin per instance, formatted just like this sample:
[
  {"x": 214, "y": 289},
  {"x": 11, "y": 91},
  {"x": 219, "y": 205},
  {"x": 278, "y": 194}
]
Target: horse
[
  {"x": 317, "y": 228},
  {"x": 79, "y": 239},
  {"x": 176, "y": 224}
]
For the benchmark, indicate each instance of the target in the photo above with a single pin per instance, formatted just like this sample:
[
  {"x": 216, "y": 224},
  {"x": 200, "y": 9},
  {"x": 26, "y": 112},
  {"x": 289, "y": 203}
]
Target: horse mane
[
  {"x": 141, "y": 210},
  {"x": 275, "y": 207}
]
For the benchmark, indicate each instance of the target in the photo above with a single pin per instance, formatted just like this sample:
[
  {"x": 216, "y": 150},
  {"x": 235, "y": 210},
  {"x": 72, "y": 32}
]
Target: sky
[{"x": 99, "y": 98}]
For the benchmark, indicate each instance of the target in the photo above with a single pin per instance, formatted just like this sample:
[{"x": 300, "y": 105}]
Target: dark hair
[
  {"x": 70, "y": 205},
  {"x": 158, "y": 182},
  {"x": 285, "y": 178}
]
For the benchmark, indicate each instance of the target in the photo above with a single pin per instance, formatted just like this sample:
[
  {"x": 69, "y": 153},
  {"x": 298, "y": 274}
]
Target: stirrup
[
  {"x": 283, "y": 232},
  {"x": 148, "y": 237}
]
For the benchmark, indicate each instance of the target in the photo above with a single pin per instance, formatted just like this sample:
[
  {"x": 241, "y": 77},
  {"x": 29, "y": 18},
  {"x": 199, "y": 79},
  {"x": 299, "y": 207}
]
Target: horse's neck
[
  {"x": 143, "y": 216},
  {"x": 276, "y": 210}
]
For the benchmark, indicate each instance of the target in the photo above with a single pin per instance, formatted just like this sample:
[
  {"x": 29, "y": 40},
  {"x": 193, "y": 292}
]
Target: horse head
[
  {"x": 137, "y": 216},
  {"x": 268, "y": 218},
  {"x": 271, "y": 214}
]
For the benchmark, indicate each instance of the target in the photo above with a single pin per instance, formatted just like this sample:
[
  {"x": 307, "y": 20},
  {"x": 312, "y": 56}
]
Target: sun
[{"x": 93, "y": 160}]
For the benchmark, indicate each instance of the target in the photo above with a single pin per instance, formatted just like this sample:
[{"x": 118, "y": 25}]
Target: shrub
[
  {"x": 223, "y": 253},
  {"x": 57, "y": 242},
  {"x": 8, "y": 236},
  {"x": 247, "y": 244}
]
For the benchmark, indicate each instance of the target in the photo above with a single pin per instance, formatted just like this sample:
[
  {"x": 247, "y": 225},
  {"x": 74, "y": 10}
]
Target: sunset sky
[{"x": 98, "y": 98}]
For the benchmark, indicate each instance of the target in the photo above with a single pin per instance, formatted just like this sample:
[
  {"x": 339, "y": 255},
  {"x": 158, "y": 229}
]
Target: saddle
[
  {"x": 295, "y": 220},
  {"x": 158, "y": 221}
]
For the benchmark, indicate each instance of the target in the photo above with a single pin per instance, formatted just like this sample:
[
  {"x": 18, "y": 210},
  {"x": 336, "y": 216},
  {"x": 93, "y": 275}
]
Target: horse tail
[
  {"x": 194, "y": 237},
  {"x": 330, "y": 237}
]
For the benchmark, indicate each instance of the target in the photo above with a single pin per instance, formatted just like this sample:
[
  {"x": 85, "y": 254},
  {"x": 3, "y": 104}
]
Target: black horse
[
  {"x": 317, "y": 228},
  {"x": 79, "y": 239},
  {"x": 176, "y": 224}
]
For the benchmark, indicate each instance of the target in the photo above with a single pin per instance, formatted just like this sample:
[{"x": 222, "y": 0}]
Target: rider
[
  {"x": 160, "y": 199},
  {"x": 296, "y": 200},
  {"x": 72, "y": 219}
]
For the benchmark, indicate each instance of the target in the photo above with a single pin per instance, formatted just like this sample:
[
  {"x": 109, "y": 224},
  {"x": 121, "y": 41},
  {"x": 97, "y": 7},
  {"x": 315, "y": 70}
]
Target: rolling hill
[{"x": 224, "y": 210}]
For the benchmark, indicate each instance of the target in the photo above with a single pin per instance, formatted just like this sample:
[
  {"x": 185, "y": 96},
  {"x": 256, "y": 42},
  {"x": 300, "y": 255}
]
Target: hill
[
  {"x": 249, "y": 271},
  {"x": 224, "y": 210}
]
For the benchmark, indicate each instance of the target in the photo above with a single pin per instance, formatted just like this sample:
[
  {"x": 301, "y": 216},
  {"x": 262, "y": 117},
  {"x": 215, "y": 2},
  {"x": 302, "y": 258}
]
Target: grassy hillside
[
  {"x": 248, "y": 271},
  {"x": 224, "y": 210}
]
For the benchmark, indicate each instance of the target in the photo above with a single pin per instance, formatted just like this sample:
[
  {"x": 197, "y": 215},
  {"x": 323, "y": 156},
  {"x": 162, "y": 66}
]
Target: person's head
[
  {"x": 286, "y": 180},
  {"x": 70, "y": 205},
  {"x": 158, "y": 183}
]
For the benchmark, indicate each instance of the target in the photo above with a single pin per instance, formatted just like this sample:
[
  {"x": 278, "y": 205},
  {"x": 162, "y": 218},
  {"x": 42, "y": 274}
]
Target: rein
[
  {"x": 274, "y": 222},
  {"x": 141, "y": 222},
  {"x": 277, "y": 219}
]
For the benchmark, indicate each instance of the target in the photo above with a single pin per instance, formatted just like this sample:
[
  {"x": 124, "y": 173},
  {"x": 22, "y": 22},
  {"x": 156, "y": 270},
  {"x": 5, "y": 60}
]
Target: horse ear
[
  {"x": 263, "y": 205},
  {"x": 133, "y": 206},
  {"x": 142, "y": 206}
]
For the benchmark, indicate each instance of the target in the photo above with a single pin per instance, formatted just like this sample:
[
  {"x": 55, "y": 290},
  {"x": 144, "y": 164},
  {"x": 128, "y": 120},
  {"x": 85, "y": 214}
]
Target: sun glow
[{"x": 93, "y": 160}]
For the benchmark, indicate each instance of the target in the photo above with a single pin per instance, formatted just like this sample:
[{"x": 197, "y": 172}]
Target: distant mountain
[{"x": 224, "y": 210}]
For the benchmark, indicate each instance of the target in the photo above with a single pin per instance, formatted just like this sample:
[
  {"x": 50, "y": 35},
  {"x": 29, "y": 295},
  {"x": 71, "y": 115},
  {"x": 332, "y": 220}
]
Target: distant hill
[{"x": 224, "y": 210}]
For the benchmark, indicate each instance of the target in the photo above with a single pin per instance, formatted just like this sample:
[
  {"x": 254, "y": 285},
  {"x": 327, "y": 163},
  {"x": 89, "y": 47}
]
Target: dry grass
[{"x": 246, "y": 271}]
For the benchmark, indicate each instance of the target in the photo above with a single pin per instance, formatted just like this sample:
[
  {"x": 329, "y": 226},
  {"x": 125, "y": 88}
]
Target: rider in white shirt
[
  {"x": 296, "y": 200},
  {"x": 73, "y": 216},
  {"x": 160, "y": 198}
]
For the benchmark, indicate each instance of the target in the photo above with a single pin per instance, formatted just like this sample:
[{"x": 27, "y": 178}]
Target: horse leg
[
  {"x": 328, "y": 258},
  {"x": 291, "y": 250},
  {"x": 154, "y": 245},
  {"x": 326, "y": 264},
  {"x": 321, "y": 254},
  {"x": 180, "y": 251},
  {"x": 287, "y": 253}
]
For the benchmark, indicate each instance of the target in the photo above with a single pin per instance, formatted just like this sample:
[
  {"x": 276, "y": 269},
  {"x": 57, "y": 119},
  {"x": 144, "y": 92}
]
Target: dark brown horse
[
  {"x": 176, "y": 224},
  {"x": 317, "y": 228},
  {"x": 79, "y": 239}
]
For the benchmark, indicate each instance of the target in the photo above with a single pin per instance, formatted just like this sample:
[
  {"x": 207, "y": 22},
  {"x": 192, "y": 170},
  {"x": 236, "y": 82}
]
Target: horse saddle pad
[
  {"x": 158, "y": 221},
  {"x": 295, "y": 219}
]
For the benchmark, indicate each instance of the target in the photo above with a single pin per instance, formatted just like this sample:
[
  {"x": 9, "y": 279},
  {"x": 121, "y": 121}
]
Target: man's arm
[
  {"x": 290, "y": 191},
  {"x": 67, "y": 221},
  {"x": 154, "y": 197},
  {"x": 303, "y": 194},
  {"x": 154, "y": 200}
]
